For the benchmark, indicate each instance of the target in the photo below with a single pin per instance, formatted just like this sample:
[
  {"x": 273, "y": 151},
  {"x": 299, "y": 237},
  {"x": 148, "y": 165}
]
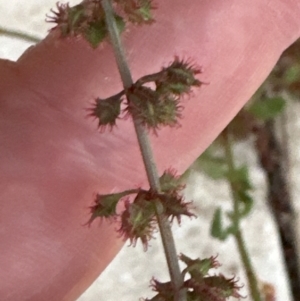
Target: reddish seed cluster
[
  {"x": 76, "y": 20},
  {"x": 179, "y": 77},
  {"x": 87, "y": 19},
  {"x": 200, "y": 285},
  {"x": 106, "y": 111},
  {"x": 154, "y": 108},
  {"x": 198, "y": 268},
  {"x": 137, "y": 11},
  {"x": 161, "y": 106},
  {"x": 104, "y": 207},
  {"x": 138, "y": 220},
  {"x": 164, "y": 290},
  {"x": 175, "y": 206}
]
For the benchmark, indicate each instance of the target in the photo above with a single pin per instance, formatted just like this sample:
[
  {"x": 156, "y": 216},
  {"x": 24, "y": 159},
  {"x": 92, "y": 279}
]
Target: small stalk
[
  {"x": 19, "y": 35},
  {"x": 148, "y": 159},
  {"x": 251, "y": 277}
]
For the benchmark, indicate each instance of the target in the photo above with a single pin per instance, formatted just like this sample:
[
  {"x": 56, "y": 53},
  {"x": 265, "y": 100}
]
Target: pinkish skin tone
[{"x": 53, "y": 160}]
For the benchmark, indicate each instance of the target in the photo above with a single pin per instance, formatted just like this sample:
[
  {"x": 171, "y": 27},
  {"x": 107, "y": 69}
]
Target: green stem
[
  {"x": 19, "y": 35},
  {"x": 251, "y": 277},
  {"x": 148, "y": 158}
]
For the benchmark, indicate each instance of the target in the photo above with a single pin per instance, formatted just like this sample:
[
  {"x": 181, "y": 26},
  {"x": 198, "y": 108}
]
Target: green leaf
[
  {"x": 240, "y": 178},
  {"x": 216, "y": 229},
  {"x": 213, "y": 166},
  {"x": 96, "y": 33},
  {"x": 120, "y": 23},
  {"x": 198, "y": 268},
  {"x": 105, "y": 205},
  {"x": 267, "y": 108},
  {"x": 292, "y": 74},
  {"x": 97, "y": 30},
  {"x": 246, "y": 203}
]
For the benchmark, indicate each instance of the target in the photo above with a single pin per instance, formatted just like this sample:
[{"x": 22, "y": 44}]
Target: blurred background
[{"x": 263, "y": 139}]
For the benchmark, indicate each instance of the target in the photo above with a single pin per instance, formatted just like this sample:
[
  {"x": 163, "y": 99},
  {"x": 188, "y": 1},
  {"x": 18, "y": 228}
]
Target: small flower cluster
[
  {"x": 137, "y": 11},
  {"x": 154, "y": 108},
  {"x": 106, "y": 205},
  {"x": 107, "y": 111},
  {"x": 200, "y": 285},
  {"x": 87, "y": 19},
  {"x": 138, "y": 220},
  {"x": 174, "y": 204}
]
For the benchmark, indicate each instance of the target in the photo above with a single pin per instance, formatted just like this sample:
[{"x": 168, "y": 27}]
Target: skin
[{"x": 53, "y": 159}]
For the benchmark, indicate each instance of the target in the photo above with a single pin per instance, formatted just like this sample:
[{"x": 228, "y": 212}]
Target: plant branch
[
  {"x": 19, "y": 35},
  {"x": 279, "y": 200},
  {"x": 148, "y": 158},
  {"x": 251, "y": 277}
]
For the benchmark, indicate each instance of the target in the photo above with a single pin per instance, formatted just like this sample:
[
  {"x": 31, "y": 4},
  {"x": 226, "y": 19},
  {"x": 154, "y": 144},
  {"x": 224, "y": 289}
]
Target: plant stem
[
  {"x": 148, "y": 158},
  {"x": 19, "y": 35},
  {"x": 271, "y": 156},
  {"x": 251, "y": 277}
]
